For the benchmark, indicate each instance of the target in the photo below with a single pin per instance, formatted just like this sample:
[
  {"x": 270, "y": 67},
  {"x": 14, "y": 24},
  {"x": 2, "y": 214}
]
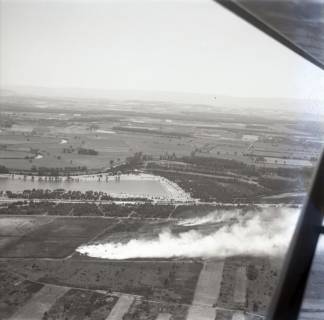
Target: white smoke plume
[{"x": 266, "y": 233}]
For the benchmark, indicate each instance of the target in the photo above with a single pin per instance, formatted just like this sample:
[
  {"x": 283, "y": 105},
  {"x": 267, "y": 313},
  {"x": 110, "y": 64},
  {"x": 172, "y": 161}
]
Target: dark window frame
[{"x": 288, "y": 297}]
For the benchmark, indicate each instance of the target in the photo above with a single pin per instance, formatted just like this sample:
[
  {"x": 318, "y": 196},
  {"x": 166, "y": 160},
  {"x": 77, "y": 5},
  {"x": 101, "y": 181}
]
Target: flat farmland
[
  {"x": 121, "y": 307},
  {"x": 185, "y": 212},
  {"x": 248, "y": 283},
  {"x": 14, "y": 292},
  {"x": 149, "y": 290},
  {"x": 55, "y": 238},
  {"x": 39, "y": 303},
  {"x": 156, "y": 145},
  {"x": 51, "y": 140},
  {"x": 117, "y": 133},
  {"x": 18, "y": 226},
  {"x": 82, "y": 304},
  {"x": 156, "y": 311},
  {"x": 169, "y": 281},
  {"x": 51, "y": 145},
  {"x": 13, "y": 228},
  {"x": 130, "y": 229}
]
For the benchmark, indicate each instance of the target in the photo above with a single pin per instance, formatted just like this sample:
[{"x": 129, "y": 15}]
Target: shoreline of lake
[{"x": 123, "y": 185}]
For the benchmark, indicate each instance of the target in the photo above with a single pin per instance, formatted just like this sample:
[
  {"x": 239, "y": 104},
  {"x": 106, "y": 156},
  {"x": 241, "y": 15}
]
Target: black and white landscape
[{"x": 153, "y": 163}]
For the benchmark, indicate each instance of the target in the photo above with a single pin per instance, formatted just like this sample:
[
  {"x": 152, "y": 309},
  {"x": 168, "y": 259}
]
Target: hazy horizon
[
  {"x": 147, "y": 45},
  {"x": 175, "y": 100}
]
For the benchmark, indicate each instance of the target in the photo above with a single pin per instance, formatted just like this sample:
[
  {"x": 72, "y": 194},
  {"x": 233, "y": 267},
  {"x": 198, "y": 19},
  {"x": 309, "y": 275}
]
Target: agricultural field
[
  {"x": 92, "y": 289},
  {"x": 56, "y": 145},
  {"x": 45, "y": 237},
  {"x": 47, "y": 279},
  {"x": 168, "y": 281},
  {"x": 80, "y": 304},
  {"x": 155, "y": 161},
  {"x": 52, "y": 137},
  {"x": 71, "y": 248},
  {"x": 14, "y": 292}
]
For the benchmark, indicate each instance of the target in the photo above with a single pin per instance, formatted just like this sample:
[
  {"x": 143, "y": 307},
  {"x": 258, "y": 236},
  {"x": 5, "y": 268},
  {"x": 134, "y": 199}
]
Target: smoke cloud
[{"x": 267, "y": 233}]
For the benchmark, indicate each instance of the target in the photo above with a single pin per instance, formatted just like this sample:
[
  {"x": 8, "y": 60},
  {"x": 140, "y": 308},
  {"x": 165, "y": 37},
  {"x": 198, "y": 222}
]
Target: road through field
[
  {"x": 121, "y": 307},
  {"x": 240, "y": 288},
  {"x": 39, "y": 303}
]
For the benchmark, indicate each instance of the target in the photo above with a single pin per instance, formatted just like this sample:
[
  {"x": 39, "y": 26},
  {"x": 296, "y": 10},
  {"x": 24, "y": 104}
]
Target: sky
[{"x": 193, "y": 46}]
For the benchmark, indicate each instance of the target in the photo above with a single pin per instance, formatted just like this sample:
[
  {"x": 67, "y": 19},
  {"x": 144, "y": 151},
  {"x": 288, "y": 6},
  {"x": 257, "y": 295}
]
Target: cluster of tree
[
  {"x": 167, "y": 156},
  {"x": 25, "y": 208},
  {"x": 68, "y": 150},
  {"x": 62, "y": 194},
  {"x": 34, "y": 151},
  {"x": 282, "y": 185},
  {"x": 209, "y": 165},
  {"x": 3, "y": 169},
  {"x": 29, "y": 157},
  {"x": 6, "y": 123},
  {"x": 90, "y": 152},
  {"x": 220, "y": 164},
  {"x": 43, "y": 171},
  {"x": 54, "y": 172},
  {"x": 132, "y": 163},
  {"x": 93, "y": 127},
  {"x": 142, "y": 209},
  {"x": 151, "y": 131},
  {"x": 135, "y": 160},
  {"x": 214, "y": 165},
  {"x": 211, "y": 189}
]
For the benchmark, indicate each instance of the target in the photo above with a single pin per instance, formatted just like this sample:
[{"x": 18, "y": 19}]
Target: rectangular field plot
[
  {"x": 164, "y": 316},
  {"x": 238, "y": 316},
  {"x": 41, "y": 208},
  {"x": 186, "y": 212},
  {"x": 240, "y": 286},
  {"x": 82, "y": 304},
  {"x": 120, "y": 308},
  {"x": 208, "y": 286},
  {"x": 169, "y": 281},
  {"x": 14, "y": 293},
  {"x": 4, "y": 241},
  {"x": 56, "y": 239},
  {"x": 224, "y": 314},
  {"x": 142, "y": 210},
  {"x": 201, "y": 313},
  {"x": 40, "y": 303},
  {"x": 128, "y": 229},
  {"x": 18, "y": 226},
  {"x": 149, "y": 310},
  {"x": 247, "y": 284},
  {"x": 47, "y": 248}
]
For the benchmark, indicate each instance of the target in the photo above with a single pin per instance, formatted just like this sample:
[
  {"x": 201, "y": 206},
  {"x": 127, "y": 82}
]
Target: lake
[{"x": 129, "y": 185}]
